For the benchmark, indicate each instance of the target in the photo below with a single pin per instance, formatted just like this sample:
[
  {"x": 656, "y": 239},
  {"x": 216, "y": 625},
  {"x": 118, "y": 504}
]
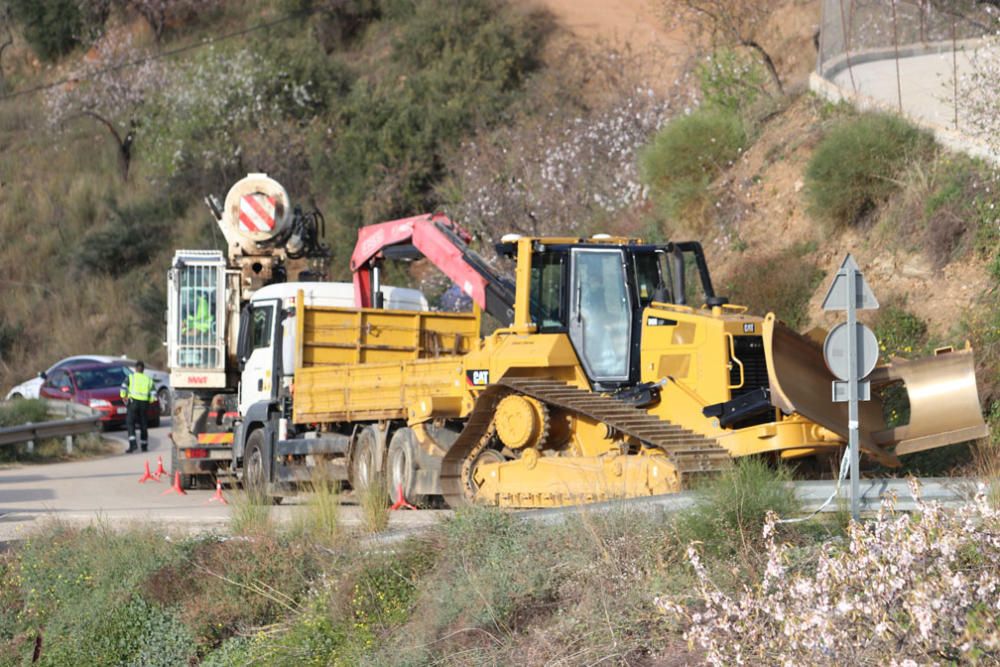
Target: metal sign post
[{"x": 851, "y": 353}]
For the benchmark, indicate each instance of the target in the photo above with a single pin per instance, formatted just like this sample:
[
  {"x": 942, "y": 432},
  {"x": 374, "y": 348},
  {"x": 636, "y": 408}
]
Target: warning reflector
[{"x": 256, "y": 213}]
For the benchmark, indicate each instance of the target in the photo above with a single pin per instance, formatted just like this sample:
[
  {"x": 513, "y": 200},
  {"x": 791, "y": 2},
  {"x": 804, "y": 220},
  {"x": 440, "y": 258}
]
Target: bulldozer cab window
[
  {"x": 601, "y": 313},
  {"x": 652, "y": 278},
  {"x": 548, "y": 291}
]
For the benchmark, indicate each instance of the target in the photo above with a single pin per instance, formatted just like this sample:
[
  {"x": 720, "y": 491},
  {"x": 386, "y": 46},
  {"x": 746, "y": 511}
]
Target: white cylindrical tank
[{"x": 257, "y": 209}]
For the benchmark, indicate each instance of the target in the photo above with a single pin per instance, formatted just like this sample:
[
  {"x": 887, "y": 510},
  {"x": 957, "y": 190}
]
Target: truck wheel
[
  {"x": 364, "y": 462},
  {"x": 255, "y": 467},
  {"x": 401, "y": 468},
  {"x": 187, "y": 482}
]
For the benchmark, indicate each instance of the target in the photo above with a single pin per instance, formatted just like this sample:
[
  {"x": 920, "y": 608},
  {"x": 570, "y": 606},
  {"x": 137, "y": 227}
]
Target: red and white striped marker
[{"x": 256, "y": 213}]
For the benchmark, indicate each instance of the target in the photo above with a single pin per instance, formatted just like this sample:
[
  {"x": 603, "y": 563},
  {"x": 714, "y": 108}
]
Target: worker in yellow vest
[{"x": 137, "y": 392}]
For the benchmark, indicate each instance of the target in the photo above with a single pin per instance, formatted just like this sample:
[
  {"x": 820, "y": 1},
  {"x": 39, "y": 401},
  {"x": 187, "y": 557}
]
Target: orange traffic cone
[
  {"x": 159, "y": 468},
  {"x": 401, "y": 502},
  {"x": 146, "y": 476},
  {"x": 218, "y": 494},
  {"x": 176, "y": 488}
]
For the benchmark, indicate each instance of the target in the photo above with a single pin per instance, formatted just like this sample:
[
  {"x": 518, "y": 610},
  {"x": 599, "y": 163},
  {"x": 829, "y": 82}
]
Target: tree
[
  {"x": 111, "y": 89},
  {"x": 728, "y": 24},
  {"x": 160, "y": 14},
  {"x": 6, "y": 37}
]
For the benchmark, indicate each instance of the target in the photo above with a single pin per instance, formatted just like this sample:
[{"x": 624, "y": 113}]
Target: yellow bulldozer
[{"x": 615, "y": 371}]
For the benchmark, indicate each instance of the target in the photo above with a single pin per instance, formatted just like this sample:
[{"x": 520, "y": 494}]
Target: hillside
[{"x": 350, "y": 124}]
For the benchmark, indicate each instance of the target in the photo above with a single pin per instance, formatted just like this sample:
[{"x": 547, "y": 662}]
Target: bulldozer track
[{"x": 691, "y": 452}]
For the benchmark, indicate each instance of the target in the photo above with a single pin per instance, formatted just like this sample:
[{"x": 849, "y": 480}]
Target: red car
[{"x": 96, "y": 385}]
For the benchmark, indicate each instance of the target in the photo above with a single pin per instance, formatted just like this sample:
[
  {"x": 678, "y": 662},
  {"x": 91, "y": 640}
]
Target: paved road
[{"x": 107, "y": 489}]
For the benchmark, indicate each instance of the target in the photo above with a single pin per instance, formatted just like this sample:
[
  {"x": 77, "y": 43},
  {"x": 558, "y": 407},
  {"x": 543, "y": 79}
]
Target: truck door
[{"x": 257, "y": 353}]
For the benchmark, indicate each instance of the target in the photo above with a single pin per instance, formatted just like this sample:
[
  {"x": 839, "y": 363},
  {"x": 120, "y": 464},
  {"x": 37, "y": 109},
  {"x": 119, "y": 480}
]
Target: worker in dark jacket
[{"x": 137, "y": 392}]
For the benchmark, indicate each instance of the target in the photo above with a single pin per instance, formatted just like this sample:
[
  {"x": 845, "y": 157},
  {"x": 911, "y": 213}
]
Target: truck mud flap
[{"x": 944, "y": 403}]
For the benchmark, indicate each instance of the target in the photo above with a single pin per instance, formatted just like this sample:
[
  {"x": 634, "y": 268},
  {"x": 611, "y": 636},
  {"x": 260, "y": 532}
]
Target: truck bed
[{"x": 360, "y": 364}]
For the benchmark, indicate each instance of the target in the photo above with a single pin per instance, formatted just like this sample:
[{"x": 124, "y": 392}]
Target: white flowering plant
[{"x": 903, "y": 589}]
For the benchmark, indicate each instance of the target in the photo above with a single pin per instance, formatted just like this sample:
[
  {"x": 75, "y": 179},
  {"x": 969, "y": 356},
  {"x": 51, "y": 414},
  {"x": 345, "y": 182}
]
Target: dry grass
[
  {"x": 318, "y": 518},
  {"x": 250, "y": 516},
  {"x": 373, "y": 500}
]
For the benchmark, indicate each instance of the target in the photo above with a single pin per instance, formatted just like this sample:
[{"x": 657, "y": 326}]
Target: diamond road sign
[{"x": 836, "y": 296}]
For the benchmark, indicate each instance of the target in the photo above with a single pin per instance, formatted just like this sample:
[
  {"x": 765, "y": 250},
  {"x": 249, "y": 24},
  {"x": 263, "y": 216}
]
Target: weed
[
  {"x": 730, "y": 80},
  {"x": 899, "y": 332},
  {"x": 20, "y": 412},
  {"x": 249, "y": 515},
  {"x": 685, "y": 157},
  {"x": 319, "y": 518},
  {"x": 373, "y": 500},
  {"x": 856, "y": 167},
  {"x": 730, "y": 510}
]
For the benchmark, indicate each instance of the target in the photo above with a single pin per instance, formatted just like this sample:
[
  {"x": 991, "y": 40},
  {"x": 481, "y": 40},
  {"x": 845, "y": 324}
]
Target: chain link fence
[{"x": 935, "y": 61}]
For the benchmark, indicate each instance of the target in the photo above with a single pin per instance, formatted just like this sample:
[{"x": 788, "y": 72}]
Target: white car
[{"x": 29, "y": 388}]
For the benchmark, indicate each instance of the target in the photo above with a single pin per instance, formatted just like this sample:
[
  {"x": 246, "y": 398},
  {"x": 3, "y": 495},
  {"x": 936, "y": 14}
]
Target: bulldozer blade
[
  {"x": 944, "y": 403},
  {"x": 801, "y": 383}
]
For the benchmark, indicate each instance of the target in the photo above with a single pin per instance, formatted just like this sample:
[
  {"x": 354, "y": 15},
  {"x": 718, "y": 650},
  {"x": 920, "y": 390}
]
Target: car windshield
[{"x": 96, "y": 378}]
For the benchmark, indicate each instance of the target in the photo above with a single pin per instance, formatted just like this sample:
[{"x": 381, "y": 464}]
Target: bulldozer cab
[{"x": 596, "y": 293}]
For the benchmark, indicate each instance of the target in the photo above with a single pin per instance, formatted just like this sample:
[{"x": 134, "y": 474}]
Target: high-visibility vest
[
  {"x": 201, "y": 320},
  {"x": 137, "y": 387}
]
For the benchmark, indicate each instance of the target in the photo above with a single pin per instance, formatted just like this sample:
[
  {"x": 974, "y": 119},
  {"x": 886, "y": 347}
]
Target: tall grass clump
[
  {"x": 730, "y": 510},
  {"x": 319, "y": 515},
  {"x": 857, "y": 166},
  {"x": 373, "y": 500},
  {"x": 685, "y": 157},
  {"x": 250, "y": 514}
]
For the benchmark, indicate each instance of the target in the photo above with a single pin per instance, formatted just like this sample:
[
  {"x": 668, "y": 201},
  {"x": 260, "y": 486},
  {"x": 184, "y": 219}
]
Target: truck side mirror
[
  {"x": 42, "y": 374},
  {"x": 243, "y": 340}
]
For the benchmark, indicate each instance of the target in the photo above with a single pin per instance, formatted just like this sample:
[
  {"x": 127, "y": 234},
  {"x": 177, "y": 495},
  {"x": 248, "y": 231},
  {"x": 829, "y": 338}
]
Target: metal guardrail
[{"x": 86, "y": 420}]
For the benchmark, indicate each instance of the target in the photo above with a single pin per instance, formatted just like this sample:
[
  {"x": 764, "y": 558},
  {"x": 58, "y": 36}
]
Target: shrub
[
  {"x": 129, "y": 238},
  {"x": 373, "y": 500},
  {"x": 884, "y": 594},
  {"x": 685, "y": 157},
  {"x": 730, "y": 80},
  {"x": 731, "y": 509},
  {"x": 790, "y": 282},
  {"x": 899, "y": 332},
  {"x": 456, "y": 66},
  {"x": 52, "y": 28},
  {"x": 856, "y": 166},
  {"x": 22, "y": 412}
]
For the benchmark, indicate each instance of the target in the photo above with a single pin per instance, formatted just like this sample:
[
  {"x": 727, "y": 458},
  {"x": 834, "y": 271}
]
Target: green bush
[
  {"x": 52, "y": 28},
  {"x": 22, "y": 412},
  {"x": 455, "y": 66},
  {"x": 790, "y": 282},
  {"x": 899, "y": 332},
  {"x": 729, "y": 80},
  {"x": 129, "y": 238},
  {"x": 856, "y": 166},
  {"x": 685, "y": 157},
  {"x": 730, "y": 510}
]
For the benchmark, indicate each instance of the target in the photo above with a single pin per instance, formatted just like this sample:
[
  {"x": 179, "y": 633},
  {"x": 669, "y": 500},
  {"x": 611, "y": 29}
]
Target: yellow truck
[{"x": 614, "y": 371}]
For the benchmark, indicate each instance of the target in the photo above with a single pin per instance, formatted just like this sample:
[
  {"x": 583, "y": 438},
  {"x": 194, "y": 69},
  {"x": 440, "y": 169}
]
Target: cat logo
[
  {"x": 749, "y": 327},
  {"x": 479, "y": 378}
]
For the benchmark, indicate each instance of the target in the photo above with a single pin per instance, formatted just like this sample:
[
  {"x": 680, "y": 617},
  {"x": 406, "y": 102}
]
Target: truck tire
[
  {"x": 401, "y": 468},
  {"x": 256, "y": 468},
  {"x": 187, "y": 482},
  {"x": 364, "y": 460}
]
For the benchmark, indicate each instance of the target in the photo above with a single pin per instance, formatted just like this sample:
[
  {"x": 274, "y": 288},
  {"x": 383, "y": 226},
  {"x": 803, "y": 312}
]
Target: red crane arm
[{"x": 438, "y": 239}]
